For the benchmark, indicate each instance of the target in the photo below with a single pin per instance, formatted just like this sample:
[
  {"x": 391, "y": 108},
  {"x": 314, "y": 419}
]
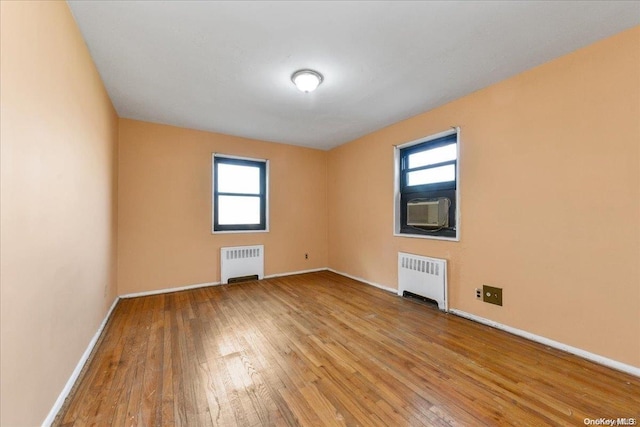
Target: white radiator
[
  {"x": 423, "y": 276},
  {"x": 241, "y": 261}
]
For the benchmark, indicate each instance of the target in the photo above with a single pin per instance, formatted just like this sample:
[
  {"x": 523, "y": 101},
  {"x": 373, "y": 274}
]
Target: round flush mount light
[{"x": 306, "y": 80}]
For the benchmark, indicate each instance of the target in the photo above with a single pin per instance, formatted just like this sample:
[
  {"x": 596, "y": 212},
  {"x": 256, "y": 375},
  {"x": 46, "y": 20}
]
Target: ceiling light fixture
[{"x": 306, "y": 80}]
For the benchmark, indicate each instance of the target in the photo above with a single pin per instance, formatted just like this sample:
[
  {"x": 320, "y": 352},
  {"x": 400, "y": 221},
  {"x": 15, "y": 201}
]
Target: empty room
[{"x": 310, "y": 213}]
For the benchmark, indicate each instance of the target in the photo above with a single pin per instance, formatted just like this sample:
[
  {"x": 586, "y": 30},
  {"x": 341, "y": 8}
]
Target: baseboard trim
[
  {"x": 76, "y": 372},
  {"x": 204, "y": 285},
  {"x": 168, "y": 290},
  {"x": 610, "y": 363},
  {"x": 360, "y": 279},
  {"x": 313, "y": 270}
]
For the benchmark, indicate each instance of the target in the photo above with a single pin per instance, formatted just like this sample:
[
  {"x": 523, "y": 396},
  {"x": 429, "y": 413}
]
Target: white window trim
[
  {"x": 396, "y": 186},
  {"x": 213, "y": 190}
]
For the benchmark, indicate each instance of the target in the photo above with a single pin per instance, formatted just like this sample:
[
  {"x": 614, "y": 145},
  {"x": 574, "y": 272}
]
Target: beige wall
[
  {"x": 164, "y": 233},
  {"x": 550, "y": 184},
  {"x": 550, "y": 178},
  {"x": 58, "y": 194}
]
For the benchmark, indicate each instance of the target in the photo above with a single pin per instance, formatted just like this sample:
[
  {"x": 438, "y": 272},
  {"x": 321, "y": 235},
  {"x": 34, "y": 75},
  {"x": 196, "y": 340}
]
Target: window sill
[
  {"x": 424, "y": 236},
  {"x": 239, "y": 231}
]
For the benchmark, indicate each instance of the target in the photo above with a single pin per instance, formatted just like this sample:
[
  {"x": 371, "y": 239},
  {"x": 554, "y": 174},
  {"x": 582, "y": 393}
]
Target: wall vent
[
  {"x": 241, "y": 261},
  {"x": 423, "y": 276}
]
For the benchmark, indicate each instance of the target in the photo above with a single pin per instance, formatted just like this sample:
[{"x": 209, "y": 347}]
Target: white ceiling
[{"x": 226, "y": 66}]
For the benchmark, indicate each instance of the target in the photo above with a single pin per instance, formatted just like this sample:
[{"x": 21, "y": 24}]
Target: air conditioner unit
[{"x": 428, "y": 213}]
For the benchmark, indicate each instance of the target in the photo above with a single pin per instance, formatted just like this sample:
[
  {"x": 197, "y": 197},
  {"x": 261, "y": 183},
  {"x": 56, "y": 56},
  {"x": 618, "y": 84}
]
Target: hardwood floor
[{"x": 321, "y": 349}]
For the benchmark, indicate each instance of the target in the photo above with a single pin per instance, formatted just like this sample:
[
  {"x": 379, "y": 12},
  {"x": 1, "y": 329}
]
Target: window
[
  {"x": 427, "y": 187},
  {"x": 239, "y": 194}
]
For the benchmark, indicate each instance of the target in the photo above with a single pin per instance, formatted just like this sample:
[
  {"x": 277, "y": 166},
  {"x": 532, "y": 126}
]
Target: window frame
[
  {"x": 263, "y": 165},
  {"x": 434, "y": 190}
]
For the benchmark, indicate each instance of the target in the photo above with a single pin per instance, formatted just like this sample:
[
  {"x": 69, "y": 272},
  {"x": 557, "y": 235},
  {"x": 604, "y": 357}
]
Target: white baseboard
[
  {"x": 360, "y": 279},
  {"x": 629, "y": 369},
  {"x": 76, "y": 372},
  {"x": 313, "y": 270},
  {"x": 204, "y": 285},
  {"x": 169, "y": 290}
]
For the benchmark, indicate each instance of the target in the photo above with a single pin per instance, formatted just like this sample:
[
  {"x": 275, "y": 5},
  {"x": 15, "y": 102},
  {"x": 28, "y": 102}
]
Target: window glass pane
[
  {"x": 433, "y": 156},
  {"x": 238, "y": 210},
  {"x": 238, "y": 179},
  {"x": 431, "y": 176}
]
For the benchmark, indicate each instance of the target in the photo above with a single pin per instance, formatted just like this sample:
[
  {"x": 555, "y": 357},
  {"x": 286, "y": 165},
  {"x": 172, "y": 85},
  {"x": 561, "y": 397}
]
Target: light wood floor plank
[{"x": 322, "y": 349}]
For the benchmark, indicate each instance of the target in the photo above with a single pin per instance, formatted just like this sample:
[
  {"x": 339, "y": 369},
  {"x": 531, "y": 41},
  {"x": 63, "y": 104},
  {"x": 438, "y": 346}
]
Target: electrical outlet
[
  {"x": 306, "y": 256},
  {"x": 478, "y": 293},
  {"x": 492, "y": 295}
]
